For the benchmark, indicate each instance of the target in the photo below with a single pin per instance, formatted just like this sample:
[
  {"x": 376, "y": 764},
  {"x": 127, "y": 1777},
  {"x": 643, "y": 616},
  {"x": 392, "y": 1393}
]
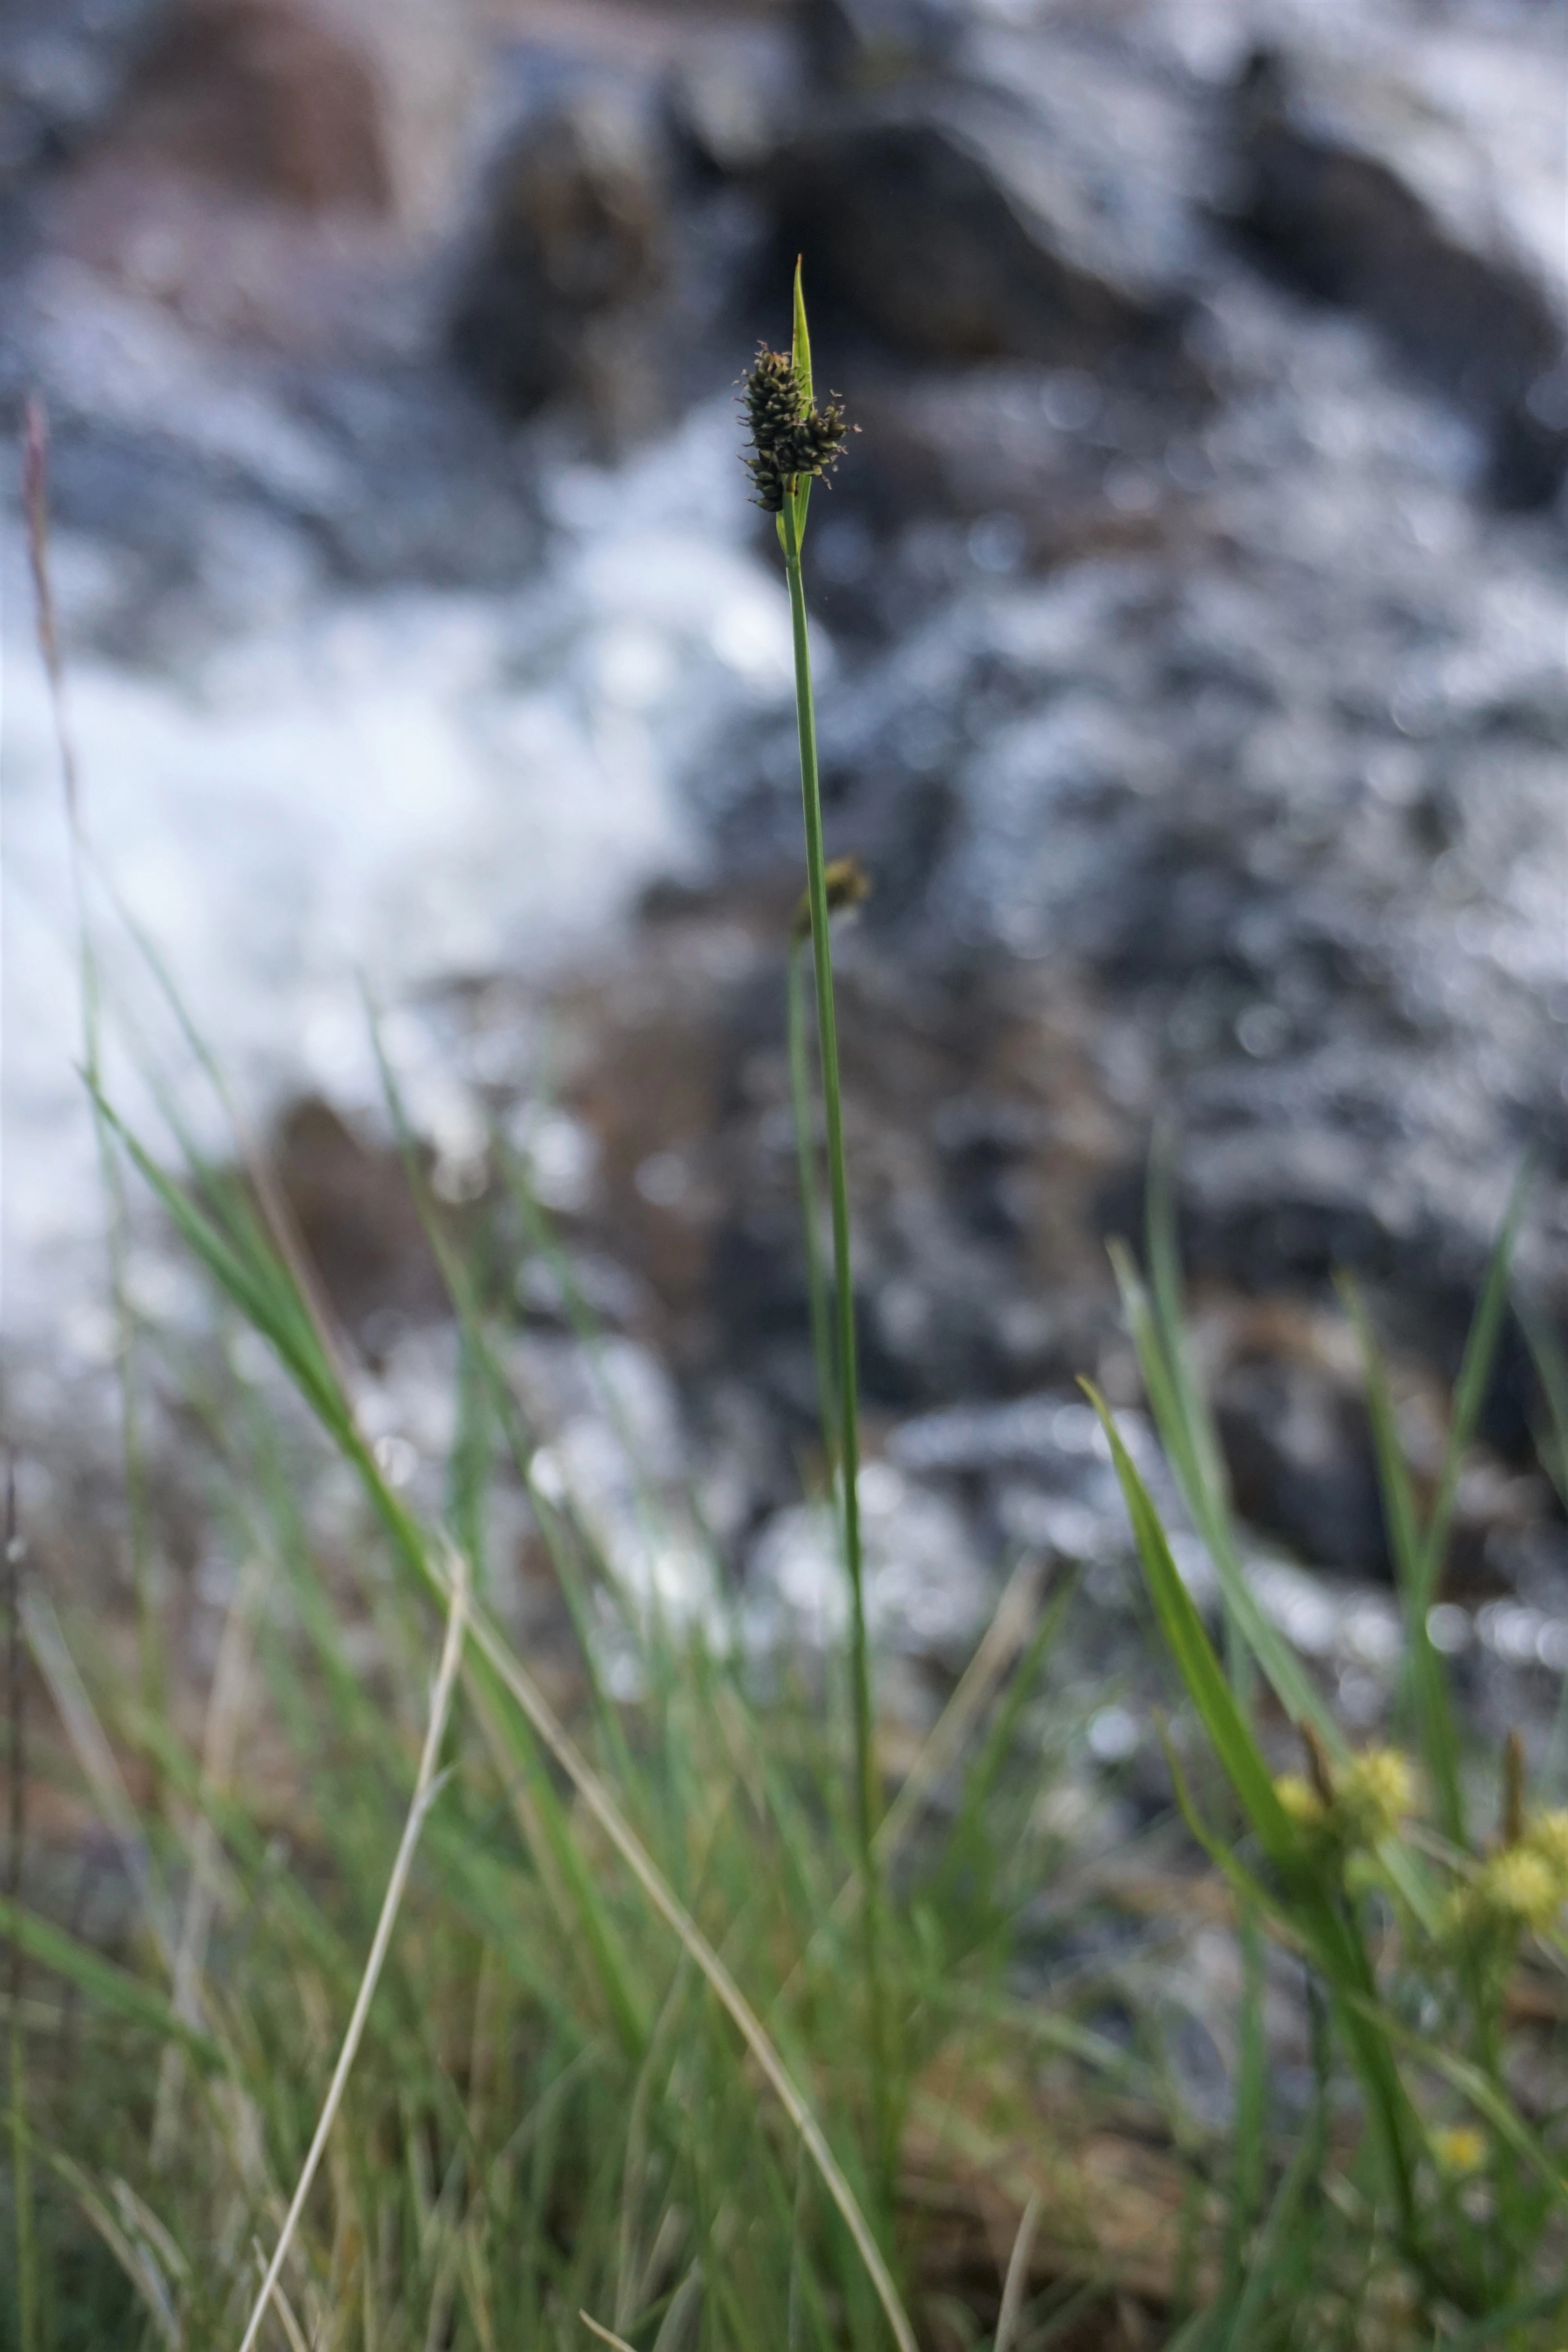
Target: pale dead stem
[
  {"x": 604, "y": 2334},
  {"x": 425, "y": 1789},
  {"x": 1018, "y": 2277}
]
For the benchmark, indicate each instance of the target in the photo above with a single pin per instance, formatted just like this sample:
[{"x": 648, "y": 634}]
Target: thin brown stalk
[{"x": 604, "y": 2335}]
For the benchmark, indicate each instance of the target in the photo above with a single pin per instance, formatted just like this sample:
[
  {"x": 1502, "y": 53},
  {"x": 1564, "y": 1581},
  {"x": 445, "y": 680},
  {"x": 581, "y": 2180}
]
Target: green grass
[
  {"x": 475, "y": 2008},
  {"x": 1411, "y": 1916},
  {"x": 620, "y": 2042}
]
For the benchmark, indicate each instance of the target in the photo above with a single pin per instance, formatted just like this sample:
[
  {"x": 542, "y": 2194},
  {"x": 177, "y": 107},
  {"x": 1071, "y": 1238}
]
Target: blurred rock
[
  {"x": 570, "y": 257},
  {"x": 958, "y": 221},
  {"x": 387, "y": 473},
  {"x": 855, "y": 44},
  {"x": 1280, "y": 796},
  {"x": 63, "y": 65},
  {"x": 929, "y": 1594},
  {"x": 1042, "y": 1471},
  {"x": 1290, "y": 1402},
  {"x": 977, "y": 1140},
  {"x": 355, "y": 1216},
  {"x": 270, "y": 96},
  {"x": 731, "y": 104},
  {"x": 1356, "y": 186}
]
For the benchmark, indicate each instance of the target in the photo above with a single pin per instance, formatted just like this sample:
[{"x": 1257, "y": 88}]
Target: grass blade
[
  {"x": 1291, "y": 1684},
  {"x": 1200, "y": 1669},
  {"x": 1425, "y": 1686},
  {"x": 425, "y": 1789},
  {"x": 108, "y": 1986}
]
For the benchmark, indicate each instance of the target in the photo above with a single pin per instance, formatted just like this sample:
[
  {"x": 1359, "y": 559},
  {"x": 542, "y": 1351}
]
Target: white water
[{"x": 380, "y": 791}]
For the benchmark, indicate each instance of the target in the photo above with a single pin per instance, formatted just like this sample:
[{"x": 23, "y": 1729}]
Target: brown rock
[
  {"x": 354, "y": 1220},
  {"x": 268, "y": 98},
  {"x": 1293, "y": 1423}
]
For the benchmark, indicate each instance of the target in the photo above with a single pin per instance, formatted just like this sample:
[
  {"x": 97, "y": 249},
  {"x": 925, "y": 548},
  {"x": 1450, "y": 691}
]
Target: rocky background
[{"x": 1192, "y": 619}]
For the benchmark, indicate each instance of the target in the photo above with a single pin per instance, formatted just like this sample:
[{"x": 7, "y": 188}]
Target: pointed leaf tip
[{"x": 801, "y": 347}]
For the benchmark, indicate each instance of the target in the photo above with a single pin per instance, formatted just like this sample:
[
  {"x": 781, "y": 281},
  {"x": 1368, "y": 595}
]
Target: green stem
[
  {"x": 806, "y": 1162},
  {"x": 847, "y": 1388}
]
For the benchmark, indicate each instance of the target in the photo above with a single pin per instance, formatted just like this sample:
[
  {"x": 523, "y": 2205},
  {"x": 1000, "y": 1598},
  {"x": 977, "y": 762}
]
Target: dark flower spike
[
  {"x": 776, "y": 402},
  {"x": 768, "y": 481},
  {"x": 819, "y": 439},
  {"x": 792, "y": 440}
]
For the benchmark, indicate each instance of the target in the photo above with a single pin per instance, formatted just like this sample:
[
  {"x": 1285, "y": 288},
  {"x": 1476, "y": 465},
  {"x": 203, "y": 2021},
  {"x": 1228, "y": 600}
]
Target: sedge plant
[
  {"x": 515, "y": 2015},
  {"x": 1417, "y": 1896},
  {"x": 794, "y": 444},
  {"x": 508, "y": 2015}
]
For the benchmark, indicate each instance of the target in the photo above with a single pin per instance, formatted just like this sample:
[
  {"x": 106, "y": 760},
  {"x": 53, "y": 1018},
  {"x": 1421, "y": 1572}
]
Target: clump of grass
[
  {"x": 609, "y": 2053},
  {"x": 508, "y": 2015},
  {"x": 1409, "y": 1910},
  {"x": 487, "y": 2020}
]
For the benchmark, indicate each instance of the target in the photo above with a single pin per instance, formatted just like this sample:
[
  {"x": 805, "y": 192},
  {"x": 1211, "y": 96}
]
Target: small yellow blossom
[
  {"x": 1300, "y": 1801},
  {"x": 1546, "y": 1834},
  {"x": 1458, "y": 2150},
  {"x": 1374, "y": 1793},
  {"x": 1520, "y": 1887}
]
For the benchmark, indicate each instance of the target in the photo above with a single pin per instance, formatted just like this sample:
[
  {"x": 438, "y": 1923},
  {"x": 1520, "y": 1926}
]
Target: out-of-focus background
[{"x": 1191, "y": 615}]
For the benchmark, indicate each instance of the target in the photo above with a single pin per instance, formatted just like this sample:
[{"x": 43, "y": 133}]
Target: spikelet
[
  {"x": 1300, "y": 1801},
  {"x": 1518, "y": 1889},
  {"x": 1374, "y": 1793},
  {"x": 790, "y": 441},
  {"x": 1546, "y": 1835}
]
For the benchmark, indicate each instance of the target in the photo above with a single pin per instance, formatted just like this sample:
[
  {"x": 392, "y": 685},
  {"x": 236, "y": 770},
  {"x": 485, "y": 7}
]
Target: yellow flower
[
  {"x": 1374, "y": 1793},
  {"x": 1518, "y": 1887},
  {"x": 1300, "y": 1801},
  {"x": 1547, "y": 1836},
  {"x": 1458, "y": 2150}
]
